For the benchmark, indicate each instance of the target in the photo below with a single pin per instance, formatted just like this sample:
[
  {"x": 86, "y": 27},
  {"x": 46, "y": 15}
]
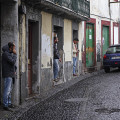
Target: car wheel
[{"x": 107, "y": 70}]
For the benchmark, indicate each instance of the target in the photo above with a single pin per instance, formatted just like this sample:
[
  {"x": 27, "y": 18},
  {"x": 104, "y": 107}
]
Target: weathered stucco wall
[
  {"x": 68, "y": 40},
  {"x": 96, "y": 5},
  {"x": 46, "y": 68},
  {"x": 23, "y": 44},
  {"x": 81, "y": 38},
  {"x": 46, "y": 39},
  {"x": 9, "y": 33},
  {"x": 22, "y": 65}
]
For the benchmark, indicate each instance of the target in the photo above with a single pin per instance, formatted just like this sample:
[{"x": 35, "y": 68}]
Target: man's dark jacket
[
  {"x": 56, "y": 53},
  {"x": 8, "y": 63}
]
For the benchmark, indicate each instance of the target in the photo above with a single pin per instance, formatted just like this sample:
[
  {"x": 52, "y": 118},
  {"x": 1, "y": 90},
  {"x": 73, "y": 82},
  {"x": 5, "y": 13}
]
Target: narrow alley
[{"x": 93, "y": 98}]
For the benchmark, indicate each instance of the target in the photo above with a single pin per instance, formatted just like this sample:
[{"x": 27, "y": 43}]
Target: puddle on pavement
[{"x": 107, "y": 111}]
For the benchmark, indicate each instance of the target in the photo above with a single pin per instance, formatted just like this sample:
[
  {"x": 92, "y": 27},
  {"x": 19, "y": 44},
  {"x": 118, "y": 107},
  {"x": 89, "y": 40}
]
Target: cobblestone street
[{"x": 93, "y": 98}]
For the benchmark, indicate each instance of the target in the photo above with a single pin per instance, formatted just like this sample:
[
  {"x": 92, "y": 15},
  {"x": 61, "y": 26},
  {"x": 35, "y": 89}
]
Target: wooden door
[
  {"x": 30, "y": 59},
  {"x": 89, "y": 45},
  {"x": 105, "y": 38}
]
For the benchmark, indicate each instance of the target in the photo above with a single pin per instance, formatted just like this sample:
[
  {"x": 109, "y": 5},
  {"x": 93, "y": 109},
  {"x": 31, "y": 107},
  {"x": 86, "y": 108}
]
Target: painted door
[
  {"x": 30, "y": 60},
  {"x": 105, "y": 33},
  {"x": 89, "y": 45}
]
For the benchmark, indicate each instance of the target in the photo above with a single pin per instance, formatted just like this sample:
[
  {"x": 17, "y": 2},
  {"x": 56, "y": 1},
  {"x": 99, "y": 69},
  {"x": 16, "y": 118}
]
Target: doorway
[
  {"x": 58, "y": 32},
  {"x": 90, "y": 45},
  {"x": 75, "y": 35},
  {"x": 105, "y": 33},
  {"x": 33, "y": 53}
]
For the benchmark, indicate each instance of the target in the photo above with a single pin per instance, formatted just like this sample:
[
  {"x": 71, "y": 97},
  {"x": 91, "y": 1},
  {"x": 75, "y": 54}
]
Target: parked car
[{"x": 112, "y": 58}]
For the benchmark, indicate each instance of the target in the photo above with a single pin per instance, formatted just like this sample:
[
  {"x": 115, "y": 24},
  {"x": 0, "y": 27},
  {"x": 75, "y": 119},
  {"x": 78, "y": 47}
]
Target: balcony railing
[{"x": 79, "y": 6}]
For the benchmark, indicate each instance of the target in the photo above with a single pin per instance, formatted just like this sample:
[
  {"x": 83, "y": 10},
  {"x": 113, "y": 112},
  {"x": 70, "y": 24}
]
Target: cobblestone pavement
[{"x": 93, "y": 98}]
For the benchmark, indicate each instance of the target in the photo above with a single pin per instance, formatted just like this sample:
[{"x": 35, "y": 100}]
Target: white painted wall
[
  {"x": 100, "y": 10},
  {"x": 115, "y": 11},
  {"x": 81, "y": 39},
  {"x": 115, "y": 35}
]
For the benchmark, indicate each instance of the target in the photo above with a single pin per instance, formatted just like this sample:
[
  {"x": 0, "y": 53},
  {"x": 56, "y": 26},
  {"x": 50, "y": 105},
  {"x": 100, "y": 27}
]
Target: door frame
[
  {"x": 34, "y": 16},
  {"x": 57, "y": 21},
  {"x": 116, "y": 25},
  {"x": 105, "y": 23},
  {"x": 91, "y": 21}
]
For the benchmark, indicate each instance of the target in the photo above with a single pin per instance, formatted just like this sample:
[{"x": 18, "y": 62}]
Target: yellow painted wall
[
  {"x": 68, "y": 40},
  {"x": 46, "y": 39}
]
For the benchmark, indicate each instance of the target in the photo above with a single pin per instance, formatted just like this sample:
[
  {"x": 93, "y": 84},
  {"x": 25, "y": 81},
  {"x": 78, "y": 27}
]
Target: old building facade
[
  {"x": 44, "y": 20},
  {"x": 101, "y": 31},
  {"x": 32, "y": 24},
  {"x": 9, "y": 32}
]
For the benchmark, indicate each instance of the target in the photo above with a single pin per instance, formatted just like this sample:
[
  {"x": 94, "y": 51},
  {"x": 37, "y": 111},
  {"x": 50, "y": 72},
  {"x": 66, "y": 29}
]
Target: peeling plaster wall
[
  {"x": 9, "y": 33},
  {"x": 33, "y": 18},
  {"x": 46, "y": 65},
  {"x": 46, "y": 39}
]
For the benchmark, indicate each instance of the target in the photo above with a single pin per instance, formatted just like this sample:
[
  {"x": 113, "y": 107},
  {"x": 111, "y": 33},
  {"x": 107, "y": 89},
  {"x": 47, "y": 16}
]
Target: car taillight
[{"x": 105, "y": 57}]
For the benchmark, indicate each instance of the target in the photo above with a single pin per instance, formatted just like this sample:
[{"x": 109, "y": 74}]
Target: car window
[{"x": 112, "y": 50}]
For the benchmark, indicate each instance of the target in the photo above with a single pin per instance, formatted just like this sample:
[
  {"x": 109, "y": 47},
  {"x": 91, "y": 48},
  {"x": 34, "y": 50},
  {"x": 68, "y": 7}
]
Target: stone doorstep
[{"x": 31, "y": 101}]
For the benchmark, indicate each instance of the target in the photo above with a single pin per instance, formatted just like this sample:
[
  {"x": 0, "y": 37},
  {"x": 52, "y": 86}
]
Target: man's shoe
[
  {"x": 11, "y": 106},
  {"x": 75, "y": 75},
  {"x": 6, "y": 108},
  {"x": 56, "y": 80}
]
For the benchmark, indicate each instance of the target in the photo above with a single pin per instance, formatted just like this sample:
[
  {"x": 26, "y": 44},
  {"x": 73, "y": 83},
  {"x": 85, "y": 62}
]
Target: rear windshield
[{"x": 112, "y": 50}]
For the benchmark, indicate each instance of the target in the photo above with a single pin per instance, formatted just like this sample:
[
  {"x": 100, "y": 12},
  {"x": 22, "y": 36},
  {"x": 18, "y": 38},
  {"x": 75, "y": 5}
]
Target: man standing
[
  {"x": 8, "y": 73},
  {"x": 56, "y": 60},
  {"x": 75, "y": 54}
]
